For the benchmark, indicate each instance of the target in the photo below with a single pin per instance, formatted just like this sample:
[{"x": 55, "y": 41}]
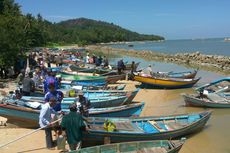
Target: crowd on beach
[{"x": 35, "y": 73}]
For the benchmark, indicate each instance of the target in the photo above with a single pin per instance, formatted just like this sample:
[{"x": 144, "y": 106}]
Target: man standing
[
  {"x": 45, "y": 121},
  {"x": 28, "y": 84},
  {"x": 120, "y": 66},
  {"x": 57, "y": 95},
  {"x": 73, "y": 125}
]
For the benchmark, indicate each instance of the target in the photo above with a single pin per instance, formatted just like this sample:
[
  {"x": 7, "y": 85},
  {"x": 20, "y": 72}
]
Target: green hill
[{"x": 92, "y": 31}]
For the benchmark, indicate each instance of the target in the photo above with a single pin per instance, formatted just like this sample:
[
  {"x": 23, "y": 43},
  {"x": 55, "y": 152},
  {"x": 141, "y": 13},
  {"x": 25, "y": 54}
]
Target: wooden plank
[{"x": 154, "y": 124}]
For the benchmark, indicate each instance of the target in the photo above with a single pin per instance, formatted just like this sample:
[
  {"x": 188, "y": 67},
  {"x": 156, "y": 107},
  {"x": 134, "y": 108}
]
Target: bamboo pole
[{"x": 27, "y": 134}]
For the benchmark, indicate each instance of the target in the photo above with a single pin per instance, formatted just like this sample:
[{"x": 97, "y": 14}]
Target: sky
[{"x": 172, "y": 19}]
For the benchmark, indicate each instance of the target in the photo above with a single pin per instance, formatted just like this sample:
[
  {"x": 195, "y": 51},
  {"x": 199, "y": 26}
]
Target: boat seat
[
  {"x": 155, "y": 125},
  {"x": 97, "y": 127},
  {"x": 127, "y": 126},
  {"x": 174, "y": 125},
  {"x": 215, "y": 97},
  {"x": 153, "y": 150}
]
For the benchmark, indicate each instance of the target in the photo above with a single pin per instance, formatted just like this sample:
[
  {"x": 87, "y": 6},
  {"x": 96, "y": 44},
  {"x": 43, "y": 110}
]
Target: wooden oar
[{"x": 3, "y": 145}]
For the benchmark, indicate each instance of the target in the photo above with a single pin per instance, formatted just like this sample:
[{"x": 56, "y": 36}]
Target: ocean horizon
[{"x": 208, "y": 46}]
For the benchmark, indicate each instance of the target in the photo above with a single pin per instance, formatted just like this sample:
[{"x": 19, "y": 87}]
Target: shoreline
[{"x": 215, "y": 63}]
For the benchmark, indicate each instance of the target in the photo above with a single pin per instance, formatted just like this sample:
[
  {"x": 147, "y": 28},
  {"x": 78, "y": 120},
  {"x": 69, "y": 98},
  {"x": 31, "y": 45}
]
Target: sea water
[{"x": 212, "y": 46}]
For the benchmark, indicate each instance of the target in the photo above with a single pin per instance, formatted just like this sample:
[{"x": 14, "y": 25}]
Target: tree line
[{"x": 19, "y": 32}]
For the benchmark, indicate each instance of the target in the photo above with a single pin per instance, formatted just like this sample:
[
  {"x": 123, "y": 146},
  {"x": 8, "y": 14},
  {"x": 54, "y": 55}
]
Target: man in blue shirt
[
  {"x": 45, "y": 120},
  {"x": 57, "y": 95},
  {"x": 50, "y": 79}
]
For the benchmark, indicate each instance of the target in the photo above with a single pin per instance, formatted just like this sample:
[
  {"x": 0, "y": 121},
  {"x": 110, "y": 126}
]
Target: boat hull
[
  {"x": 97, "y": 136},
  {"x": 31, "y": 116},
  {"x": 150, "y": 82},
  {"x": 172, "y": 146},
  {"x": 193, "y": 100}
]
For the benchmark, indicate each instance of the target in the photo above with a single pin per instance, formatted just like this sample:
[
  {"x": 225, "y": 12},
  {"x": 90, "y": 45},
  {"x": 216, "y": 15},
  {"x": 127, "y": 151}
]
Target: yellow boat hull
[{"x": 166, "y": 82}]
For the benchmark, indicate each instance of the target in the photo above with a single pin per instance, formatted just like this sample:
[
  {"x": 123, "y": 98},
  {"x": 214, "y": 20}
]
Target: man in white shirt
[
  {"x": 149, "y": 70},
  {"x": 45, "y": 120}
]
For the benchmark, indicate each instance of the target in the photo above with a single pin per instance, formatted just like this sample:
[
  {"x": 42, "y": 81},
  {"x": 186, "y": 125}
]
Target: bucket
[{"x": 61, "y": 140}]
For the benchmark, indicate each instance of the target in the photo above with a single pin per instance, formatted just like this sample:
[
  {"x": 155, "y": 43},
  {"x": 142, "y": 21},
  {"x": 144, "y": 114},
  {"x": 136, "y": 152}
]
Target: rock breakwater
[{"x": 215, "y": 63}]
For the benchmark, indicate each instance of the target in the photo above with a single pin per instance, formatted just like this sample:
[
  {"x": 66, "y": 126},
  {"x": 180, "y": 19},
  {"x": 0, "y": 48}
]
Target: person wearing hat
[
  {"x": 84, "y": 104},
  {"x": 73, "y": 126},
  {"x": 149, "y": 70},
  {"x": 45, "y": 120}
]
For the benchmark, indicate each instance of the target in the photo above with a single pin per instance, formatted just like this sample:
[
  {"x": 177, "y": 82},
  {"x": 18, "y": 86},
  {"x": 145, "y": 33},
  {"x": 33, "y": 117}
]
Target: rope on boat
[{"x": 3, "y": 145}]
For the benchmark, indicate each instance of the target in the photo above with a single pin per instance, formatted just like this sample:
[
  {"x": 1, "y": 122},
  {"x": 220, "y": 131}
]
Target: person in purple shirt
[{"x": 54, "y": 94}]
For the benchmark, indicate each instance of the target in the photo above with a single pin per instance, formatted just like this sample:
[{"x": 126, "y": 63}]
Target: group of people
[
  {"x": 98, "y": 61},
  {"x": 40, "y": 77},
  {"x": 72, "y": 123}
]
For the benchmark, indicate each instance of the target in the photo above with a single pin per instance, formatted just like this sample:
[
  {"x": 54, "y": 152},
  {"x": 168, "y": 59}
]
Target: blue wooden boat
[
  {"x": 22, "y": 112},
  {"x": 100, "y": 102},
  {"x": 212, "y": 100},
  {"x": 154, "y": 146},
  {"x": 165, "y": 83},
  {"x": 96, "y": 101},
  {"x": 130, "y": 110},
  {"x": 89, "y": 68},
  {"x": 103, "y": 93},
  {"x": 83, "y": 80},
  {"x": 144, "y": 128}
]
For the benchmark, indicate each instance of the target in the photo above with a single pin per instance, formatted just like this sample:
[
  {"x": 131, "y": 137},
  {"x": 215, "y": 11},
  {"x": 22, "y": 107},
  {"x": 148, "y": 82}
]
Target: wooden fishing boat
[
  {"x": 184, "y": 75},
  {"x": 100, "y": 102},
  {"x": 130, "y": 110},
  {"x": 155, "y": 146},
  {"x": 167, "y": 83},
  {"x": 69, "y": 76},
  {"x": 96, "y": 102},
  {"x": 103, "y": 99},
  {"x": 69, "y": 85},
  {"x": 103, "y": 93},
  {"x": 212, "y": 100},
  {"x": 114, "y": 78},
  {"x": 83, "y": 80},
  {"x": 144, "y": 128},
  {"x": 24, "y": 113},
  {"x": 97, "y": 80},
  {"x": 215, "y": 86},
  {"x": 89, "y": 68}
]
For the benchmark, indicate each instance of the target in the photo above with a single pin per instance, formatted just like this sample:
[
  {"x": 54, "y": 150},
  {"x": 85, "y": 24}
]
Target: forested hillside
[
  {"x": 92, "y": 31},
  {"x": 19, "y": 32}
]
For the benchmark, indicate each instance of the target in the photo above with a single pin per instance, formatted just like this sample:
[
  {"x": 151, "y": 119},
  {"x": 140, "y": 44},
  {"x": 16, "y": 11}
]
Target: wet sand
[{"x": 214, "y": 138}]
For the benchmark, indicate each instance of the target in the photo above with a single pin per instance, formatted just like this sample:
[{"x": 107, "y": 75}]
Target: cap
[{"x": 73, "y": 107}]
